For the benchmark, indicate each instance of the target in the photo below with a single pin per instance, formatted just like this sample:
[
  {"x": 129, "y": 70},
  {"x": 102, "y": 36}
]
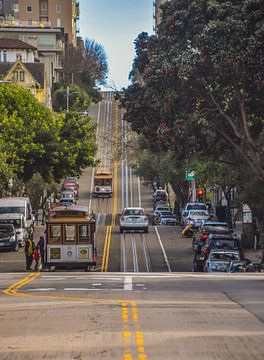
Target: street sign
[{"x": 189, "y": 176}]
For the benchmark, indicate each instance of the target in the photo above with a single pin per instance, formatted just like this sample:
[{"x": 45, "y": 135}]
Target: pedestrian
[
  {"x": 29, "y": 253},
  {"x": 41, "y": 245},
  {"x": 36, "y": 256}
]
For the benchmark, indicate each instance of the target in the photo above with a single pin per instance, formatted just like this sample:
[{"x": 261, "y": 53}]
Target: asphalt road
[
  {"x": 132, "y": 316},
  {"x": 142, "y": 301}
]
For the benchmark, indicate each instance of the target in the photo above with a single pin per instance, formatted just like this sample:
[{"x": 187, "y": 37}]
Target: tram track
[{"x": 134, "y": 253}]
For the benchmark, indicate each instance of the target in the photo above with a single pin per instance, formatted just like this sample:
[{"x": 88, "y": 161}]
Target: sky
[{"x": 115, "y": 24}]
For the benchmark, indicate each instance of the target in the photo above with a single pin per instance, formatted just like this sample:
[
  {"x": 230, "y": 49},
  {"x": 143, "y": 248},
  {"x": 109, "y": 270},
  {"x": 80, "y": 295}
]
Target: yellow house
[{"x": 29, "y": 75}]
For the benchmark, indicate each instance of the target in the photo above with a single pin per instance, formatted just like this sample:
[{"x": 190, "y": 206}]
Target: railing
[{"x": 24, "y": 24}]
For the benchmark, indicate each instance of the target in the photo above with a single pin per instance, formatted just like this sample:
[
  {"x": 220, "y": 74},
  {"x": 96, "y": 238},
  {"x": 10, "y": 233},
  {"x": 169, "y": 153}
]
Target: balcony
[{"x": 24, "y": 24}]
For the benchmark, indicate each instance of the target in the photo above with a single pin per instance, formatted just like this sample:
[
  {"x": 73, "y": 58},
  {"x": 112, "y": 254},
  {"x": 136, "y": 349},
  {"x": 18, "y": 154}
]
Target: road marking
[
  {"x": 134, "y": 252},
  {"x": 103, "y": 267},
  {"x": 163, "y": 250},
  {"x": 139, "y": 192},
  {"x": 43, "y": 289},
  {"x": 128, "y": 283}
]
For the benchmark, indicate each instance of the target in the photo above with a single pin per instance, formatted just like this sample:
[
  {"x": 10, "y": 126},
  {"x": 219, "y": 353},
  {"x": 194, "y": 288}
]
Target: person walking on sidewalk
[
  {"x": 29, "y": 253},
  {"x": 41, "y": 246},
  {"x": 36, "y": 256}
]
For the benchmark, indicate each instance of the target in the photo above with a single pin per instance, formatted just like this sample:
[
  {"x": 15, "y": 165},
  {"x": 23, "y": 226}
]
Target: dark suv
[
  {"x": 8, "y": 237},
  {"x": 208, "y": 228},
  {"x": 223, "y": 241}
]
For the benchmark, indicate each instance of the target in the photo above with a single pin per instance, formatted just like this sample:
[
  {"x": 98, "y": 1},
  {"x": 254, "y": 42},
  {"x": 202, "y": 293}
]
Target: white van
[
  {"x": 19, "y": 222},
  {"x": 20, "y": 205}
]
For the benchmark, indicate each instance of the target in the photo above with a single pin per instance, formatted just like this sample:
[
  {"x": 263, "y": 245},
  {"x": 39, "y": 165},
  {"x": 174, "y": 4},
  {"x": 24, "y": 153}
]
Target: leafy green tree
[
  {"x": 29, "y": 133},
  {"x": 76, "y": 147},
  {"x": 78, "y": 98},
  {"x": 35, "y": 140}
]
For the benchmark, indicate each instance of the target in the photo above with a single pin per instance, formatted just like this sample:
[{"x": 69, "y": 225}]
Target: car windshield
[
  {"x": 228, "y": 243},
  {"x": 215, "y": 229},
  {"x": 12, "y": 210},
  {"x": 15, "y": 222},
  {"x": 224, "y": 256},
  {"x": 138, "y": 212},
  {"x": 198, "y": 213},
  {"x": 5, "y": 230},
  {"x": 196, "y": 207},
  {"x": 166, "y": 215}
]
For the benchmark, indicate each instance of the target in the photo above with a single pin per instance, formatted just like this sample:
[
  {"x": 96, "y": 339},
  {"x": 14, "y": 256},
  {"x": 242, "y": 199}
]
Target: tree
[
  {"x": 200, "y": 87},
  {"x": 35, "y": 140},
  {"x": 78, "y": 99},
  {"x": 86, "y": 66}
]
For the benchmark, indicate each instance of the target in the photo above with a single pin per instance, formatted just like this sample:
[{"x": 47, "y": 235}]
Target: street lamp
[{"x": 68, "y": 97}]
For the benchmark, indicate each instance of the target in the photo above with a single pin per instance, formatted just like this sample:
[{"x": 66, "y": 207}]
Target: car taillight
[{"x": 203, "y": 237}]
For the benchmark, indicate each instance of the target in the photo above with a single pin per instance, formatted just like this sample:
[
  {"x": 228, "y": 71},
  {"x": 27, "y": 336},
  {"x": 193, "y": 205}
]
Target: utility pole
[{"x": 68, "y": 96}]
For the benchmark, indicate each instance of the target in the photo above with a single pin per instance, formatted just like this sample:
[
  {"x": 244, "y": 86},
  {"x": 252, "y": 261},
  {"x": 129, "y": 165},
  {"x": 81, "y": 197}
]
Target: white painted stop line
[{"x": 128, "y": 283}]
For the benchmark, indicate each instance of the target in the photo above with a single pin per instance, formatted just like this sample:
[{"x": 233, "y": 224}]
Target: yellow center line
[{"x": 131, "y": 328}]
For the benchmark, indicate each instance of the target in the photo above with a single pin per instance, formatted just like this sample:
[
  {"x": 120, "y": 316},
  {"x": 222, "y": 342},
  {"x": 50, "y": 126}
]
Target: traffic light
[{"x": 200, "y": 195}]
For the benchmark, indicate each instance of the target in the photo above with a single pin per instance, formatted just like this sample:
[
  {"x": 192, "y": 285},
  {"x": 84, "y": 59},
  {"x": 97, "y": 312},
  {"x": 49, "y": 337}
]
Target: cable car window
[
  {"x": 55, "y": 234},
  {"x": 85, "y": 234},
  {"x": 70, "y": 233}
]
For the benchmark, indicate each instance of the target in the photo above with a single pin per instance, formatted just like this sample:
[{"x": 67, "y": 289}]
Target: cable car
[
  {"x": 103, "y": 182},
  {"x": 70, "y": 238}
]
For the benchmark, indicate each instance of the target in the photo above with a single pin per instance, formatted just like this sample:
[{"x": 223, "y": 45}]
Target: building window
[
  {"x": 29, "y": 8},
  {"x": 58, "y": 7},
  {"x": 22, "y": 76},
  {"x": 16, "y": 75},
  {"x": 4, "y": 56},
  {"x": 44, "y": 6},
  {"x": 1, "y": 5}
]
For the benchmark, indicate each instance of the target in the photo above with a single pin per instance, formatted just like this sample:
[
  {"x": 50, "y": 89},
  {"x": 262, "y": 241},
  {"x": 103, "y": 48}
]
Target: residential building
[
  {"x": 18, "y": 64},
  {"x": 157, "y": 12},
  {"x": 49, "y": 43},
  {"x": 12, "y": 50},
  {"x": 54, "y": 13}
]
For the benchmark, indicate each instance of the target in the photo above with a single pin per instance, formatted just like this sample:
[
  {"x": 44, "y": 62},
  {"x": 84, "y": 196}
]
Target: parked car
[
  {"x": 160, "y": 195},
  {"x": 162, "y": 207},
  {"x": 165, "y": 218},
  {"x": 8, "y": 237},
  {"x": 135, "y": 219},
  {"x": 196, "y": 216},
  {"x": 195, "y": 206},
  {"x": 208, "y": 228},
  {"x": 18, "y": 220},
  {"x": 67, "y": 198},
  {"x": 72, "y": 178},
  {"x": 19, "y": 205},
  {"x": 222, "y": 241},
  {"x": 220, "y": 260},
  {"x": 70, "y": 186}
]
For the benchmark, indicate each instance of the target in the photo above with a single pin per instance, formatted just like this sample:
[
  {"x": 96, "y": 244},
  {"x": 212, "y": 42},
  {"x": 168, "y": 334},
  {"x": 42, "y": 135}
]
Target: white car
[
  {"x": 194, "y": 216},
  {"x": 220, "y": 260},
  {"x": 134, "y": 219}
]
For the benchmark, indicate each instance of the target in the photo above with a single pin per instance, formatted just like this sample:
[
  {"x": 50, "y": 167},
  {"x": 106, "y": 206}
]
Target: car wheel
[
  {"x": 146, "y": 230},
  {"x": 121, "y": 230},
  {"x": 16, "y": 247}
]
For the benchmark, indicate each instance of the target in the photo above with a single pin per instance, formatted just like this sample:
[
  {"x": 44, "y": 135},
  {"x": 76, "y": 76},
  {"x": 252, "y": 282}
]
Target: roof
[
  {"x": 36, "y": 70},
  {"x": 103, "y": 171},
  {"x": 11, "y": 216},
  {"x": 9, "y": 201},
  {"x": 6, "y": 43}
]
